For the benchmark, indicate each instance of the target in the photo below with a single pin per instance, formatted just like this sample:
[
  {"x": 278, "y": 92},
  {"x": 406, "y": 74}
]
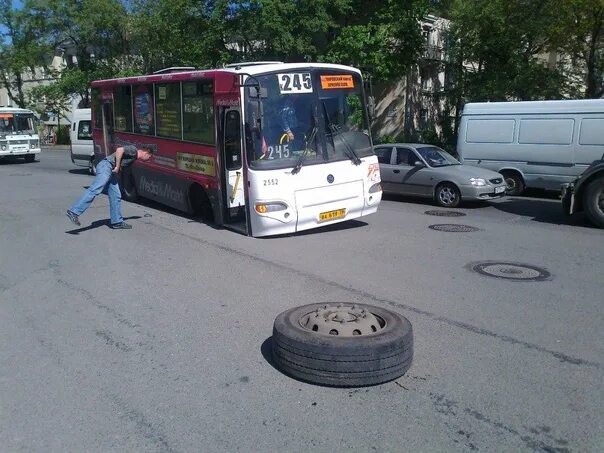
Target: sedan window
[
  {"x": 404, "y": 156},
  {"x": 383, "y": 154}
]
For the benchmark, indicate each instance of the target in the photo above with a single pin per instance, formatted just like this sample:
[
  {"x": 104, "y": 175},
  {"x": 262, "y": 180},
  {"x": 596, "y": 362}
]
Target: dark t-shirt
[{"x": 130, "y": 155}]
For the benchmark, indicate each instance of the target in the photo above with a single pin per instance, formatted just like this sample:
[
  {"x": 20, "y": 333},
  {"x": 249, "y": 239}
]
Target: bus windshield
[
  {"x": 16, "y": 123},
  {"x": 303, "y": 118}
]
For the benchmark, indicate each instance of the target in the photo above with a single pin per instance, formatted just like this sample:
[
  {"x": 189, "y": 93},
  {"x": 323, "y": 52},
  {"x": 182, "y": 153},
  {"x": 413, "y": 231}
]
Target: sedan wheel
[{"x": 447, "y": 195}]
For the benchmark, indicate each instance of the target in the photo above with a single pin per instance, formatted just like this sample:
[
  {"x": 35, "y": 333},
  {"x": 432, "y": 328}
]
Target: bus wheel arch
[
  {"x": 200, "y": 203},
  {"x": 128, "y": 185},
  {"x": 514, "y": 182}
]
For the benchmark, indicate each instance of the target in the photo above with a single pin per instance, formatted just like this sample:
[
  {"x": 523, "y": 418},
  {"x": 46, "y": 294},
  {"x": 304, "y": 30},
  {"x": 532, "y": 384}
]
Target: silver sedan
[{"x": 428, "y": 171}]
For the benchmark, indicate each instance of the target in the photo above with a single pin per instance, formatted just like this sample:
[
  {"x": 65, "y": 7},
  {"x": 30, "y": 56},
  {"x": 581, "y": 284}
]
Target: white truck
[
  {"x": 541, "y": 144},
  {"x": 18, "y": 136}
]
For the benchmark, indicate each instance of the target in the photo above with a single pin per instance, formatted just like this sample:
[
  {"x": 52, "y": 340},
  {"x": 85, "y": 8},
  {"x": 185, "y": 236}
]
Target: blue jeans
[{"x": 105, "y": 179}]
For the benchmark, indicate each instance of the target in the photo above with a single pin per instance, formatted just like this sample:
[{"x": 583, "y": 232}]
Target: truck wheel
[
  {"x": 30, "y": 157},
  {"x": 593, "y": 202},
  {"x": 128, "y": 185},
  {"x": 514, "y": 182},
  {"x": 447, "y": 195},
  {"x": 342, "y": 344}
]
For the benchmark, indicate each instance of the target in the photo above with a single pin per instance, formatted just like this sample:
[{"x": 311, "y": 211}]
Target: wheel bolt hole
[
  {"x": 333, "y": 332},
  {"x": 356, "y": 332},
  {"x": 315, "y": 328},
  {"x": 373, "y": 328}
]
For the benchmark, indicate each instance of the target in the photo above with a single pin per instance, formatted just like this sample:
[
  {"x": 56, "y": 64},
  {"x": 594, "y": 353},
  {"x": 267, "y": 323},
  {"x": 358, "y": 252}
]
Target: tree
[
  {"x": 500, "y": 49},
  {"x": 578, "y": 33},
  {"x": 20, "y": 51},
  {"x": 93, "y": 32},
  {"x": 383, "y": 39}
]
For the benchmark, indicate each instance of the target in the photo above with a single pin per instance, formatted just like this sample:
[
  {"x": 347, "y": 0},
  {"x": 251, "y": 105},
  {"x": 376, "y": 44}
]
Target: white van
[
  {"x": 82, "y": 150},
  {"x": 540, "y": 144}
]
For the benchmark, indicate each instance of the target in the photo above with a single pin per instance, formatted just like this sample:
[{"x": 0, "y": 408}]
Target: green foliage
[
  {"x": 383, "y": 41},
  {"x": 500, "y": 49},
  {"x": 63, "y": 135}
]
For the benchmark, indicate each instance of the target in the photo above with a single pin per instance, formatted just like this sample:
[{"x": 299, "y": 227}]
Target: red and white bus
[{"x": 262, "y": 148}]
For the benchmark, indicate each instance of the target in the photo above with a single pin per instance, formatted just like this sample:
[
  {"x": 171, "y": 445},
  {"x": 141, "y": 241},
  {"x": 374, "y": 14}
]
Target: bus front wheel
[{"x": 30, "y": 157}]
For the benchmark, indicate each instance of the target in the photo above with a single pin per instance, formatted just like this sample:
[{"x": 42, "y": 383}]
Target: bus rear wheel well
[{"x": 200, "y": 203}]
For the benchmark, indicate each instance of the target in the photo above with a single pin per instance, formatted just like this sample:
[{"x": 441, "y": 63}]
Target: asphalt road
[{"x": 158, "y": 338}]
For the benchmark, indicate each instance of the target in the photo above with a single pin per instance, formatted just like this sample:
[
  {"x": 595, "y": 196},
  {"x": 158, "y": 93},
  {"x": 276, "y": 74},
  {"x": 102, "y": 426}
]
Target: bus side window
[{"x": 232, "y": 140}]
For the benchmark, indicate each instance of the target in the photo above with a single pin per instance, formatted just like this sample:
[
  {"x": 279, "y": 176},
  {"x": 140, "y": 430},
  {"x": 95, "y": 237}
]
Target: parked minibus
[
  {"x": 18, "y": 136},
  {"x": 540, "y": 144}
]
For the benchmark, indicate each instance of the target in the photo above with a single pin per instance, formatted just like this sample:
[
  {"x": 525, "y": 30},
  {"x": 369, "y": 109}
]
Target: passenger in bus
[
  {"x": 106, "y": 179},
  {"x": 289, "y": 121}
]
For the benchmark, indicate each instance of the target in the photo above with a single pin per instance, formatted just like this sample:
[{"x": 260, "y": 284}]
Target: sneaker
[
  {"x": 74, "y": 218},
  {"x": 121, "y": 226}
]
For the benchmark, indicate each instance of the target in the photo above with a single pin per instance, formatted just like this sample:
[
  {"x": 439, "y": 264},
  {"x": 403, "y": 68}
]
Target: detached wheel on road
[
  {"x": 342, "y": 344},
  {"x": 447, "y": 195},
  {"x": 593, "y": 202}
]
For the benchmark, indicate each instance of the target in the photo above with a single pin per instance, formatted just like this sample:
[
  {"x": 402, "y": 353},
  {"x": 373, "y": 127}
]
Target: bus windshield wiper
[
  {"x": 335, "y": 130},
  {"x": 311, "y": 139}
]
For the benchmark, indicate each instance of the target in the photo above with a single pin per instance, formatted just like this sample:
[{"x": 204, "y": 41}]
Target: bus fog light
[
  {"x": 262, "y": 208},
  {"x": 377, "y": 187}
]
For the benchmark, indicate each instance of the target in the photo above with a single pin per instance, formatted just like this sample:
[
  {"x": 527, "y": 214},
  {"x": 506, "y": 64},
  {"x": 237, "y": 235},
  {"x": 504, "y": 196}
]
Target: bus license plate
[
  {"x": 499, "y": 189},
  {"x": 332, "y": 215}
]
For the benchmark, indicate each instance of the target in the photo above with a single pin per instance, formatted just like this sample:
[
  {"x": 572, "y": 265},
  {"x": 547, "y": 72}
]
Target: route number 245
[{"x": 295, "y": 83}]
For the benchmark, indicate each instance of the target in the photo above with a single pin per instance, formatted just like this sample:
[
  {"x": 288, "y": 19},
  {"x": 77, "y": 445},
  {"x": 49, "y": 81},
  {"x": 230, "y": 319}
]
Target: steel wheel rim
[{"x": 342, "y": 320}]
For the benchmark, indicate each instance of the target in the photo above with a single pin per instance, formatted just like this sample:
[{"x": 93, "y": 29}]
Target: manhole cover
[
  {"x": 453, "y": 228},
  {"x": 511, "y": 271},
  {"x": 446, "y": 213}
]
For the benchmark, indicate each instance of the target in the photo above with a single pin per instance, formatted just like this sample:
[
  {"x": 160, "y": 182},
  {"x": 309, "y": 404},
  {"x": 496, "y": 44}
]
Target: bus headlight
[
  {"x": 3, "y": 147},
  {"x": 262, "y": 208},
  {"x": 377, "y": 187}
]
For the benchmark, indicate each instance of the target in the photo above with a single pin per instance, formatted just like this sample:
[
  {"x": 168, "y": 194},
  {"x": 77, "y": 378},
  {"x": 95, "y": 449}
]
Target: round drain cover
[
  {"x": 446, "y": 213},
  {"x": 511, "y": 271},
  {"x": 453, "y": 228}
]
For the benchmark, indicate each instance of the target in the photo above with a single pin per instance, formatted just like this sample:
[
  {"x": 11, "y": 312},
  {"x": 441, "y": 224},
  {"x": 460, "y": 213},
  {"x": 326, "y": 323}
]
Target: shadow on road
[
  {"x": 79, "y": 171},
  {"x": 541, "y": 210},
  {"x": 97, "y": 224},
  {"x": 267, "y": 352},
  {"x": 12, "y": 160}
]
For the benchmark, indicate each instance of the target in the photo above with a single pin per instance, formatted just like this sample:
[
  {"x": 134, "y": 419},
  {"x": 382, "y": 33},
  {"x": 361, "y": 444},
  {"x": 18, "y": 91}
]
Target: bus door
[{"x": 233, "y": 187}]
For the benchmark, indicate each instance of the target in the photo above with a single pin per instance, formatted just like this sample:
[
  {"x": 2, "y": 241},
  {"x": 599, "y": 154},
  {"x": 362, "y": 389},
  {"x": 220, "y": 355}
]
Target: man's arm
[{"x": 119, "y": 154}]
